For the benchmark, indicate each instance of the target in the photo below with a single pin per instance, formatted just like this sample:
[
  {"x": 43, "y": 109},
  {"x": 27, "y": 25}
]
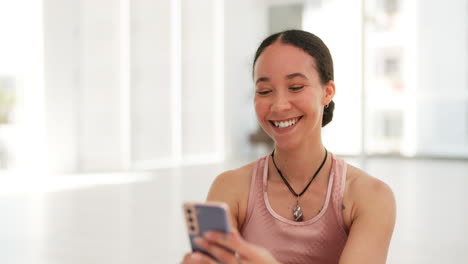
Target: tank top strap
[
  {"x": 256, "y": 182},
  {"x": 339, "y": 183}
]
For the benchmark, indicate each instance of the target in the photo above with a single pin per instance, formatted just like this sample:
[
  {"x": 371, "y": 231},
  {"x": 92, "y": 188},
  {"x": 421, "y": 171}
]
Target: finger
[
  {"x": 232, "y": 241},
  {"x": 186, "y": 260},
  {"x": 219, "y": 252},
  {"x": 200, "y": 258}
]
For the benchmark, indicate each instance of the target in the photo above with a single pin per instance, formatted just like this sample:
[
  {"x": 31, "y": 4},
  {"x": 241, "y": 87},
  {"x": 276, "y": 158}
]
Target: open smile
[{"x": 285, "y": 123}]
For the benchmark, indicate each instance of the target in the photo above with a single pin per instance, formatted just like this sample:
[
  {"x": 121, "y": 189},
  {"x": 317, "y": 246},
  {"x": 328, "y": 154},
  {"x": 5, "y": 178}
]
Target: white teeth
[{"x": 284, "y": 124}]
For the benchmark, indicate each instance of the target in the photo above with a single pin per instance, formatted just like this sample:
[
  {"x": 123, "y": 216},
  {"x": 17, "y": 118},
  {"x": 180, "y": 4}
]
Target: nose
[{"x": 280, "y": 103}]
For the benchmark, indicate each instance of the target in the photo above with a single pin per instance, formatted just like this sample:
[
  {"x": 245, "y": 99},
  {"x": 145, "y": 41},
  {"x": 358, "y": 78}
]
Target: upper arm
[
  {"x": 223, "y": 190},
  {"x": 373, "y": 223}
]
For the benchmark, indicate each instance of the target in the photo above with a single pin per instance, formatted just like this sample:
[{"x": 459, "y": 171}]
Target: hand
[{"x": 222, "y": 246}]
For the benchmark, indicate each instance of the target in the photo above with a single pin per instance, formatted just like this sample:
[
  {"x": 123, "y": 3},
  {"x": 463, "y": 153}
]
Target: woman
[{"x": 299, "y": 204}]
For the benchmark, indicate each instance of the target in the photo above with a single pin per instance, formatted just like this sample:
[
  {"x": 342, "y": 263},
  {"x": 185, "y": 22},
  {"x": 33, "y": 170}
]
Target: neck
[{"x": 299, "y": 164}]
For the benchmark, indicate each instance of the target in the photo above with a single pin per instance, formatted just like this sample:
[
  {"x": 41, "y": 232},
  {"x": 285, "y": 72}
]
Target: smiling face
[{"x": 289, "y": 97}]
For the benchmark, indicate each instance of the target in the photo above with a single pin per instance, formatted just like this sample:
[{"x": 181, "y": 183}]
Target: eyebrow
[
  {"x": 289, "y": 77},
  {"x": 296, "y": 74},
  {"x": 262, "y": 79}
]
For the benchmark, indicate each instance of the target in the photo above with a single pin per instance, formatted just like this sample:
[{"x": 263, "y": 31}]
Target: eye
[
  {"x": 265, "y": 92},
  {"x": 296, "y": 88}
]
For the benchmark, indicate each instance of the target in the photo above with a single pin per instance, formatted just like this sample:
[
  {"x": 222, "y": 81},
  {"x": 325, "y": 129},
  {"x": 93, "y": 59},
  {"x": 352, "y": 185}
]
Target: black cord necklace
[{"x": 297, "y": 211}]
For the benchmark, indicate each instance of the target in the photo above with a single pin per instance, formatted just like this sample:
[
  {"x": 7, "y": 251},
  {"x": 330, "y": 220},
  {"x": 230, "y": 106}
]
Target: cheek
[
  {"x": 311, "y": 101},
  {"x": 261, "y": 108}
]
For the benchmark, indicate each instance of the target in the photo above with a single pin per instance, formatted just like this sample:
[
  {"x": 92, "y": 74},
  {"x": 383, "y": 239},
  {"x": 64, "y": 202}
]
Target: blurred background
[{"x": 113, "y": 112}]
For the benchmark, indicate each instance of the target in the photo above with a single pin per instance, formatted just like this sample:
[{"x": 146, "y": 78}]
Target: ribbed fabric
[{"x": 319, "y": 240}]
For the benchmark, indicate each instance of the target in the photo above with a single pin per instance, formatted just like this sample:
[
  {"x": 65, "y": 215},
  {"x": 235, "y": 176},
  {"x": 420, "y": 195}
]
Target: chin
[{"x": 286, "y": 144}]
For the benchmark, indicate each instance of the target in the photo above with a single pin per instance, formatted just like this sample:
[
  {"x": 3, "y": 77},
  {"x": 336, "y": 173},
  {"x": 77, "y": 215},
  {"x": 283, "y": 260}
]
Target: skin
[{"x": 288, "y": 87}]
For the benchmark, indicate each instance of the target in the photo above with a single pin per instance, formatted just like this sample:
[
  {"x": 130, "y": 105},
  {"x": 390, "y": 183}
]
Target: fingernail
[
  {"x": 195, "y": 256},
  {"x": 208, "y": 234}
]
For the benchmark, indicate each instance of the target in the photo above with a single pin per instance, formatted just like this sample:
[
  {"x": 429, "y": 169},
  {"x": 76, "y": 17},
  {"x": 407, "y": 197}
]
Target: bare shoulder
[
  {"x": 231, "y": 182},
  {"x": 232, "y": 187},
  {"x": 371, "y": 218},
  {"x": 368, "y": 193},
  {"x": 361, "y": 183}
]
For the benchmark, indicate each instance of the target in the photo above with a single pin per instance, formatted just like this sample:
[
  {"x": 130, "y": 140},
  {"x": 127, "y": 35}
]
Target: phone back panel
[{"x": 205, "y": 217}]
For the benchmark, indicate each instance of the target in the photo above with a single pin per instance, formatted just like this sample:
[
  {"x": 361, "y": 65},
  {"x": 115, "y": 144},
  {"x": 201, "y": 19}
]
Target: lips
[{"x": 286, "y": 122}]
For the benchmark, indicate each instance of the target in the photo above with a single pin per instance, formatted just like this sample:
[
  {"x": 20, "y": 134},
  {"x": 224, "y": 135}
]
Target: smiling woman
[
  {"x": 301, "y": 204},
  {"x": 288, "y": 87}
]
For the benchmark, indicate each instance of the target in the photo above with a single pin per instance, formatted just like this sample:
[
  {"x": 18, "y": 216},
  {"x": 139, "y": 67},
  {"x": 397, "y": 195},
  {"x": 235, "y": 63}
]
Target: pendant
[{"x": 297, "y": 213}]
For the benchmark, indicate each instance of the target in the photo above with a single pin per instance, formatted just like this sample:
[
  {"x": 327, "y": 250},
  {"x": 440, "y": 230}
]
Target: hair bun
[{"x": 328, "y": 113}]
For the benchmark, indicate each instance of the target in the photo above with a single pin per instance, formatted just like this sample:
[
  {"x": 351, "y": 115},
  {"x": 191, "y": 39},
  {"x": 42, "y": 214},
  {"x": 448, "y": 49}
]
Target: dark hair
[{"x": 315, "y": 47}]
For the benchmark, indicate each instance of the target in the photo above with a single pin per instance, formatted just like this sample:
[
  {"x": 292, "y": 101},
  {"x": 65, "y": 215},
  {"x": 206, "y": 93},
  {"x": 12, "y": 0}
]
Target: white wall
[
  {"x": 86, "y": 105},
  {"x": 21, "y": 61},
  {"x": 61, "y": 41},
  {"x": 151, "y": 135},
  {"x": 82, "y": 80},
  {"x": 246, "y": 25},
  {"x": 442, "y": 93},
  {"x": 343, "y": 37},
  {"x": 198, "y": 65}
]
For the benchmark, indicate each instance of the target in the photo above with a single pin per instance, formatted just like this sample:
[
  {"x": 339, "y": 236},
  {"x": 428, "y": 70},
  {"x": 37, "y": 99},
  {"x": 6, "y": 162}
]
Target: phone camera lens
[
  {"x": 190, "y": 219},
  {"x": 189, "y": 211},
  {"x": 192, "y": 228}
]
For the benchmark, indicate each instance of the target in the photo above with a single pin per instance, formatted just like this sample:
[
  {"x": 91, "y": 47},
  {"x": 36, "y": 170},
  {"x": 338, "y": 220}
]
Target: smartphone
[{"x": 202, "y": 217}]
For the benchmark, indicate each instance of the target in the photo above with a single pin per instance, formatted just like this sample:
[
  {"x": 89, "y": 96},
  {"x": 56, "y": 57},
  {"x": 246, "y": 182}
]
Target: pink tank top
[{"x": 318, "y": 240}]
